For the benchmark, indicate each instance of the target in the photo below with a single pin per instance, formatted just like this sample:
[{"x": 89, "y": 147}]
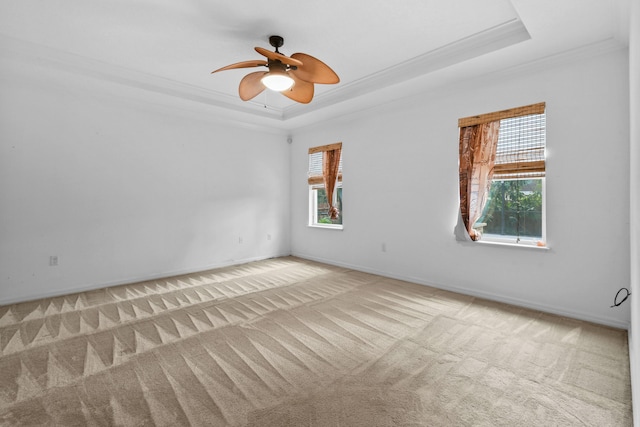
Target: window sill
[
  {"x": 513, "y": 245},
  {"x": 327, "y": 226}
]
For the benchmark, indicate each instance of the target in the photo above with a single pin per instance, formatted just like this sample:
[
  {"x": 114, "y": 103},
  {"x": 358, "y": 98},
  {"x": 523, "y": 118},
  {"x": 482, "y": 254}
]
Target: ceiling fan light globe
[{"x": 277, "y": 82}]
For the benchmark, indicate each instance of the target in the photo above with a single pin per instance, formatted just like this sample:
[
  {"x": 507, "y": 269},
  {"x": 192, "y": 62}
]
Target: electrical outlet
[
  {"x": 384, "y": 247},
  {"x": 53, "y": 260},
  {"x": 268, "y": 236},
  {"x": 240, "y": 240}
]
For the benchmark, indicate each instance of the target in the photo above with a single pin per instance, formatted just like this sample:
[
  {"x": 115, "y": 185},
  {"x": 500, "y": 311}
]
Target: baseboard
[
  {"x": 135, "y": 279},
  {"x": 560, "y": 311},
  {"x": 462, "y": 290}
]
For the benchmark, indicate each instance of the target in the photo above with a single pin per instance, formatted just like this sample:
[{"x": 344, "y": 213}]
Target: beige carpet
[{"x": 287, "y": 342}]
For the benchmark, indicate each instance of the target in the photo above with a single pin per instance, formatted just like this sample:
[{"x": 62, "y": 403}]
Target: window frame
[
  {"x": 313, "y": 208},
  {"x": 315, "y": 182}
]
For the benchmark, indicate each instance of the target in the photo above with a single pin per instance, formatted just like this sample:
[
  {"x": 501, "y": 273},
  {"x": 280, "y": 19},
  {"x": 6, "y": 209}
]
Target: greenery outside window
[{"x": 514, "y": 212}]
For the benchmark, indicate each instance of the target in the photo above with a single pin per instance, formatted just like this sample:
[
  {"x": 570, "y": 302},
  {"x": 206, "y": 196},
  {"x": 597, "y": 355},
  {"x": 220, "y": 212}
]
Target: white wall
[
  {"x": 634, "y": 332},
  {"x": 122, "y": 187},
  {"x": 400, "y": 187}
]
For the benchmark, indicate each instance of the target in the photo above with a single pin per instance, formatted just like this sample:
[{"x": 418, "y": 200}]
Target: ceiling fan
[{"x": 293, "y": 76}]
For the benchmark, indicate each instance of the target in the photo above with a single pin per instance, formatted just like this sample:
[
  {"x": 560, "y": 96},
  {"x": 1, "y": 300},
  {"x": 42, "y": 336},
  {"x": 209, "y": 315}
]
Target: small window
[
  {"x": 325, "y": 169},
  {"x": 502, "y": 175}
]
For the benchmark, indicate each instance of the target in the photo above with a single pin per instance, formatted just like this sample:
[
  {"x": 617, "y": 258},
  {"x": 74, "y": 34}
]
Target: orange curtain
[
  {"x": 330, "y": 168},
  {"x": 478, "y": 146}
]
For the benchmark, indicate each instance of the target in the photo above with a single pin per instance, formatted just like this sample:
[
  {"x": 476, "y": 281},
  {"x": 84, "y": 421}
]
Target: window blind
[
  {"x": 315, "y": 165},
  {"x": 504, "y": 114},
  {"x": 521, "y": 145}
]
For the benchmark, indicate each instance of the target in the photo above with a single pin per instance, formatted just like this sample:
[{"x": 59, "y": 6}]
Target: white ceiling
[{"x": 378, "y": 48}]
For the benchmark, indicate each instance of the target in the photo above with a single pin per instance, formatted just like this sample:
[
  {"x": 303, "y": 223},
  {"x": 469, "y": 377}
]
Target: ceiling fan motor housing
[{"x": 277, "y": 66}]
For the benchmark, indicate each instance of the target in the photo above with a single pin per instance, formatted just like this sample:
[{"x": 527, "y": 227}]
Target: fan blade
[
  {"x": 250, "y": 85},
  {"x": 313, "y": 70},
  {"x": 278, "y": 56},
  {"x": 243, "y": 64},
  {"x": 301, "y": 91}
]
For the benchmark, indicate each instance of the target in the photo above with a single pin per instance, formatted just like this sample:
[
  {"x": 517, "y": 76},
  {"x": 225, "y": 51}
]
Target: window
[
  {"x": 510, "y": 207},
  {"x": 325, "y": 167}
]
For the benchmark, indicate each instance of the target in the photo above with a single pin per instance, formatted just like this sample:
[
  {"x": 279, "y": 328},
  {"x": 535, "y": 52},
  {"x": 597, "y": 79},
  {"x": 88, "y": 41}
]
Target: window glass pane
[
  {"x": 322, "y": 214},
  {"x": 514, "y": 209}
]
